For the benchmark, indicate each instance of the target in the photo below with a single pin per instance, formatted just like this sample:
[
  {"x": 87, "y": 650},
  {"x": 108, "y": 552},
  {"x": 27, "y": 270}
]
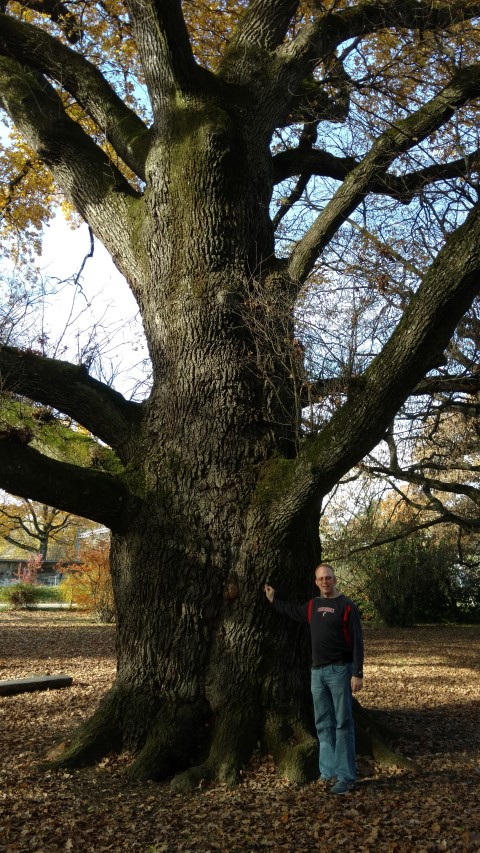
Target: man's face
[{"x": 325, "y": 580}]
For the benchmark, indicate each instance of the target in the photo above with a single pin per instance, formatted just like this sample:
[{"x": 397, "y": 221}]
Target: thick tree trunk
[
  {"x": 208, "y": 672},
  {"x": 205, "y": 670}
]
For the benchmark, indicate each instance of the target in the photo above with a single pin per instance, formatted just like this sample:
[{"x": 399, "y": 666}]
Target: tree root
[
  {"x": 234, "y": 739},
  {"x": 171, "y": 743},
  {"x": 94, "y": 739},
  {"x": 372, "y": 739},
  {"x": 163, "y": 735},
  {"x": 294, "y": 748},
  {"x": 171, "y": 739}
]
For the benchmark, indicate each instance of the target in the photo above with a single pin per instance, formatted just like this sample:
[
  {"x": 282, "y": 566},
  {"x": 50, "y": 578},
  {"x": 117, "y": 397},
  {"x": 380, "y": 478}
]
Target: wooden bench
[{"x": 12, "y": 686}]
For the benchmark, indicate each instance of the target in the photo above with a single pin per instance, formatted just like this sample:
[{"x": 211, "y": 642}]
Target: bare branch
[
  {"x": 401, "y": 534},
  {"x": 307, "y": 140},
  {"x": 402, "y": 187},
  {"x": 448, "y": 385},
  {"x": 447, "y": 291},
  {"x": 466, "y": 384},
  {"x": 429, "y": 483},
  {"x": 404, "y": 134}
]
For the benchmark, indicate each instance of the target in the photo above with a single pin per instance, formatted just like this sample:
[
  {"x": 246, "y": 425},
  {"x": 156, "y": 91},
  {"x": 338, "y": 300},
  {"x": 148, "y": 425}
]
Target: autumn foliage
[
  {"x": 27, "y": 574},
  {"x": 89, "y": 584},
  {"x": 26, "y": 593}
]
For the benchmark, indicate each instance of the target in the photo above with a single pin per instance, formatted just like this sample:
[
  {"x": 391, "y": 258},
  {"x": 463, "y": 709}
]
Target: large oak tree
[{"x": 346, "y": 105}]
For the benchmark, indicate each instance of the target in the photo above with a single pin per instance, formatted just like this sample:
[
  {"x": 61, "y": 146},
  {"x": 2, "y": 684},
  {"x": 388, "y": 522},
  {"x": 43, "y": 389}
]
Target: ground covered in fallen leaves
[{"x": 425, "y": 681}]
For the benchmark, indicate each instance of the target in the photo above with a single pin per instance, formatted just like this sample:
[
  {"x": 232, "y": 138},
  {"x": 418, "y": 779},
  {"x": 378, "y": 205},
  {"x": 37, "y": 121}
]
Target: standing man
[{"x": 337, "y": 672}]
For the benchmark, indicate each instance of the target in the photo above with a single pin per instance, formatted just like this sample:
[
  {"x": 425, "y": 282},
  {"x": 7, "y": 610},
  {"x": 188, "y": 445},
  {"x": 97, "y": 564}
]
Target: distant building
[
  {"x": 55, "y": 569},
  {"x": 92, "y": 536},
  {"x": 49, "y": 574}
]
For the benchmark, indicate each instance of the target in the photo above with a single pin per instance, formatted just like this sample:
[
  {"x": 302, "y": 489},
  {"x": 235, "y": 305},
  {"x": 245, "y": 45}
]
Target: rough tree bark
[{"x": 218, "y": 492}]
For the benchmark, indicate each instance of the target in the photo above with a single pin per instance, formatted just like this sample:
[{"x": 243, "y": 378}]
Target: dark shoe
[{"x": 342, "y": 787}]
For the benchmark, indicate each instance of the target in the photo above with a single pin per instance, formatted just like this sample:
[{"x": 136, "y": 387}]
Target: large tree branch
[
  {"x": 313, "y": 161},
  {"x": 319, "y": 38},
  {"x": 446, "y": 517},
  {"x": 81, "y": 169},
  {"x": 92, "y": 494},
  {"x": 442, "y": 514},
  {"x": 404, "y": 134},
  {"x": 298, "y": 161},
  {"x": 263, "y": 24},
  {"x": 72, "y": 391},
  {"x": 405, "y": 187},
  {"x": 429, "y": 483},
  {"x": 46, "y": 524},
  {"x": 164, "y": 45},
  {"x": 447, "y": 291},
  {"x": 30, "y": 548},
  {"x": 447, "y": 385},
  {"x": 323, "y": 33},
  {"x": 35, "y": 48},
  {"x": 429, "y": 385}
]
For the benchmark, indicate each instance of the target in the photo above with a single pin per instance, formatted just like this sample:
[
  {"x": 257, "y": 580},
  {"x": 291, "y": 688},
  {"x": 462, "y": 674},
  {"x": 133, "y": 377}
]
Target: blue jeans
[{"x": 332, "y": 705}]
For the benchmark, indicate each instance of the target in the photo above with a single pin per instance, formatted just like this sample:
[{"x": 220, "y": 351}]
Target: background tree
[
  {"x": 32, "y": 527},
  {"x": 362, "y": 110},
  {"x": 398, "y": 570},
  {"x": 421, "y": 484},
  {"x": 433, "y": 443}
]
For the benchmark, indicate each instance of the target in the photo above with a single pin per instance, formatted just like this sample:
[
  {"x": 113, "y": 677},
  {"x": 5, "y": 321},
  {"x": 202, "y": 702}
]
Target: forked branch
[
  {"x": 398, "y": 138},
  {"x": 298, "y": 161},
  {"x": 447, "y": 291},
  {"x": 164, "y": 45}
]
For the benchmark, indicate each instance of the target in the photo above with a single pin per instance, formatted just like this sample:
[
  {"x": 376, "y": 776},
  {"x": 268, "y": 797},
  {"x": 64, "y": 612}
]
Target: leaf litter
[{"x": 424, "y": 682}]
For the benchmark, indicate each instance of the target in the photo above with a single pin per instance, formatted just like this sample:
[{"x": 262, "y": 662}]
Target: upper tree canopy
[{"x": 355, "y": 127}]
